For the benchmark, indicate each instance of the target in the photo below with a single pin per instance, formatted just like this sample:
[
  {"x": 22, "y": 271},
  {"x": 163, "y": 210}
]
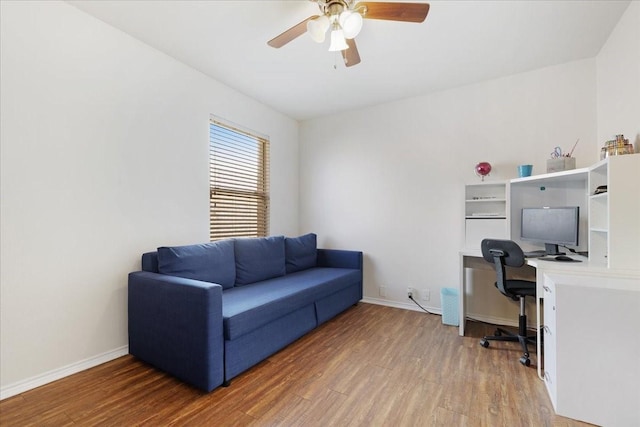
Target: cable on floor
[{"x": 418, "y": 304}]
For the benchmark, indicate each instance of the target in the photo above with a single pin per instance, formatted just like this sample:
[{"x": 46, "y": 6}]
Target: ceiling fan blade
[
  {"x": 351, "y": 56},
  {"x": 408, "y": 12},
  {"x": 293, "y": 32}
]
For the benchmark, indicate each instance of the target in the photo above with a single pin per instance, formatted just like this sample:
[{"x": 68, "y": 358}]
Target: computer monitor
[{"x": 551, "y": 226}]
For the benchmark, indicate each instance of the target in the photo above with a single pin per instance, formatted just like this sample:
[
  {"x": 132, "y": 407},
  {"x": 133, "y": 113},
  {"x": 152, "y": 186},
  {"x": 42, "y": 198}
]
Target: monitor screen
[{"x": 551, "y": 226}]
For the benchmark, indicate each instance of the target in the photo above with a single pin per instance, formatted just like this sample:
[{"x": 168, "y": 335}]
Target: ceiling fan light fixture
[
  {"x": 317, "y": 28},
  {"x": 344, "y": 18},
  {"x": 338, "y": 41},
  {"x": 351, "y": 23}
]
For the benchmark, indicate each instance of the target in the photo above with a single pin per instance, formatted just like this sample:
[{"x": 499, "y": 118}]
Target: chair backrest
[{"x": 501, "y": 253}]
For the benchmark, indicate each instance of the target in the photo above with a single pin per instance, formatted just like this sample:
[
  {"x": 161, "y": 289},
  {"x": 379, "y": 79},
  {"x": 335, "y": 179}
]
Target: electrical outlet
[
  {"x": 425, "y": 294},
  {"x": 410, "y": 292},
  {"x": 383, "y": 291}
]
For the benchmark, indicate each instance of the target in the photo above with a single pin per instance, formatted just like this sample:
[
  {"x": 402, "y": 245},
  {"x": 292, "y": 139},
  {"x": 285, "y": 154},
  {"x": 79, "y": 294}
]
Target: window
[{"x": 238, "y": 182}]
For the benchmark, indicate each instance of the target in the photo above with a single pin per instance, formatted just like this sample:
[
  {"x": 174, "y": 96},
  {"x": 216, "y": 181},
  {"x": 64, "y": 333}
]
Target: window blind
[{"x": 238, "y": 182}]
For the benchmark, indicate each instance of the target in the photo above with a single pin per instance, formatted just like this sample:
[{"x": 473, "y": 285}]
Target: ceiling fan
[{"x": 344, "y": 19}]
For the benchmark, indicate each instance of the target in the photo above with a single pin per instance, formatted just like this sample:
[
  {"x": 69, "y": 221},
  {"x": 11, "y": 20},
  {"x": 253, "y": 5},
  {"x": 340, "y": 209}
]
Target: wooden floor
[{"x": 370, "y": 366}]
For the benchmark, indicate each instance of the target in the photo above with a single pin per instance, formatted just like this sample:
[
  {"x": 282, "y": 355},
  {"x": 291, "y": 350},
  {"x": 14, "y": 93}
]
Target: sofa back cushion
[
  {"x": 301, "y": 252},
  {"x": 210, "y": 262},
  {"x": 259, "y": 259}
]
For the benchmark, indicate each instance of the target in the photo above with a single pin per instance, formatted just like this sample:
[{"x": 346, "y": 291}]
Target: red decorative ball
[{"x": 483, "y": 169}]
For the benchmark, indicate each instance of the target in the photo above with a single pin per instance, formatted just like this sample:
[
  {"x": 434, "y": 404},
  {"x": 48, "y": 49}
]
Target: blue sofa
[{"x": 206, "y": 313}]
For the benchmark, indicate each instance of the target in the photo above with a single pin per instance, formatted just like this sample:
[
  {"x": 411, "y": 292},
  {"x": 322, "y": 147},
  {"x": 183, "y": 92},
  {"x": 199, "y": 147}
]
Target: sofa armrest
[
  {"x": 339, "y": 259},
  {"x": 175, "y": 324}
]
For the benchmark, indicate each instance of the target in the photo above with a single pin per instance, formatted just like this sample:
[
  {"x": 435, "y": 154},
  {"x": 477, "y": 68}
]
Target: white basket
[{"x": 561, "y": 164}]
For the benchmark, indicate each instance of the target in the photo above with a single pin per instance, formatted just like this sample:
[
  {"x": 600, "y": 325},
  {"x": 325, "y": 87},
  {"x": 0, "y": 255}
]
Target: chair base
[{"x": 505, "y": 335}]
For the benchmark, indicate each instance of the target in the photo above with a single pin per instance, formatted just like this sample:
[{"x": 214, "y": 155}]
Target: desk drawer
[
  {"x": 549, "y": 305},
  {"x": 549, "y": 334}
]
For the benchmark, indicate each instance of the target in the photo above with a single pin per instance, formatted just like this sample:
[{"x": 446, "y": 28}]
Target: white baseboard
[
  {"x": 436, "y": 310},
  {"x": 492, "y": 320},
  {"x": 404, "y": 305},
  {"x": 502, "y": 321},
  {"x": 65, "y": 371}
]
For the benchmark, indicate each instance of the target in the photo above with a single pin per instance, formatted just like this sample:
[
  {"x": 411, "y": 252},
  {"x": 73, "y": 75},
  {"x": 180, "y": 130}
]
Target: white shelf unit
[
  {"x": 566, "y": 188},
  {"x": 486, "y": 207},
  {"x": 614, "y": 224}
]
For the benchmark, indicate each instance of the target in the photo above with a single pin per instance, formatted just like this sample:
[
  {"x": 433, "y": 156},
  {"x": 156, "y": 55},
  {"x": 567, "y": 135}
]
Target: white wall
[
  {"x": 104, "y": 155},
  {"x": 618, "y": 76},
  {"x": 389, "y": 180}
]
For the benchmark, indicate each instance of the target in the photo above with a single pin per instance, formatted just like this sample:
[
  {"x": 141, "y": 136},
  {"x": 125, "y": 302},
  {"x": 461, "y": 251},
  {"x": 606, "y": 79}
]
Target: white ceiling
[{"x": 460, "y": 42}]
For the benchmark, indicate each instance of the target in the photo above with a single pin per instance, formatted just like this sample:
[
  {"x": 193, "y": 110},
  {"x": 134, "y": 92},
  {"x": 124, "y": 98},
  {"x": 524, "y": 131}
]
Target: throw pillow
[
  {"x": 210, "y": 262},
  {"x": 301, "y": 252},
  {"x": 259, "y": 259}
]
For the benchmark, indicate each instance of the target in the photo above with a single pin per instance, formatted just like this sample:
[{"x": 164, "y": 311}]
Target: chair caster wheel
[
  {"x": 525, "y": 361},
  {"x": 484, "y": 343}
]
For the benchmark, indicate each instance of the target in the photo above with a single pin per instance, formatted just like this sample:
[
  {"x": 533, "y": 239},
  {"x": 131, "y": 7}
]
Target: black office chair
[{"x": 503, "y": 253}]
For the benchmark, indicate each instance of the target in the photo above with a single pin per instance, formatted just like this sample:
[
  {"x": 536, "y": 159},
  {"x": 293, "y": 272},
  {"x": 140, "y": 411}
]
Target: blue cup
[{"x": 524, "y": 170}]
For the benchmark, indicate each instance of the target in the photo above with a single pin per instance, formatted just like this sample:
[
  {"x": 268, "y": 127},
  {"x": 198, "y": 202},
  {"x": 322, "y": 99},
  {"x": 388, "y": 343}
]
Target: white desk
[
  {"x": 592, "y": 343},
  {"x": 473, "y": 259},
  {"x": 592, "y": 337},
  {"x": 468, "y": 259},
  {"x": 554, "y": 267}
]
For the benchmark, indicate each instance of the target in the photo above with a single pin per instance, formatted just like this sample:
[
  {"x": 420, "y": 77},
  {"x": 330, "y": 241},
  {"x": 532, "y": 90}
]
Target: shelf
[
  {"x": 573, "y": 175},
  {"x": 599, "y": 196},
  {"x": 486, "y": 208},
  {"x": 602, "y": 164},
  {"x": 613, "y": 226},
  {"x": 598, "y": 230},
  {"x": 484, "y": 200},
  {"x": 487, "y": 184}
]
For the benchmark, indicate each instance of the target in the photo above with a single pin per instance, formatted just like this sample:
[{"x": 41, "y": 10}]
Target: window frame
[{"x": 239, "y": 202}]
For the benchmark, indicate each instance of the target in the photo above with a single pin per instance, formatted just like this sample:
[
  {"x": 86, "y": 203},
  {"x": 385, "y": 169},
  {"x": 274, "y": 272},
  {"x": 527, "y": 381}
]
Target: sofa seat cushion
[{"x": 249, "y": 307}]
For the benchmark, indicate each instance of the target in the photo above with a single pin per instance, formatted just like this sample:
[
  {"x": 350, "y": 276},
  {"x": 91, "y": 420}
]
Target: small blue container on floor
[{"x": 449, "y": 301}]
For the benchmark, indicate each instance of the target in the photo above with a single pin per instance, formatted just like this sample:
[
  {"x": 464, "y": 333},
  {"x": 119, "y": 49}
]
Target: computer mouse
[{"x": 563, "y": 258}]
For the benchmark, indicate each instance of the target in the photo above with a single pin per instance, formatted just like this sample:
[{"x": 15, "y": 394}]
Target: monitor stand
[{"x": 552, "y": 249}]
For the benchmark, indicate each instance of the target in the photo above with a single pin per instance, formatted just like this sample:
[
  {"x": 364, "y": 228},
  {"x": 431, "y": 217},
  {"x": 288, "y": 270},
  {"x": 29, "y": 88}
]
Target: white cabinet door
[{"x": 592, "y": 355}]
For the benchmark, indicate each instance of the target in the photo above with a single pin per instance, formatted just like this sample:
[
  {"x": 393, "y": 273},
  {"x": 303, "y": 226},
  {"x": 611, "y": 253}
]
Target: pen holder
[{"x": 561, "y": 164}]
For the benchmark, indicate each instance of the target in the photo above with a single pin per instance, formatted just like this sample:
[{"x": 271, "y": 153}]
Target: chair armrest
[
  {"x": 175, "y": 324},
  {"x": 339, "y": 259}
]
